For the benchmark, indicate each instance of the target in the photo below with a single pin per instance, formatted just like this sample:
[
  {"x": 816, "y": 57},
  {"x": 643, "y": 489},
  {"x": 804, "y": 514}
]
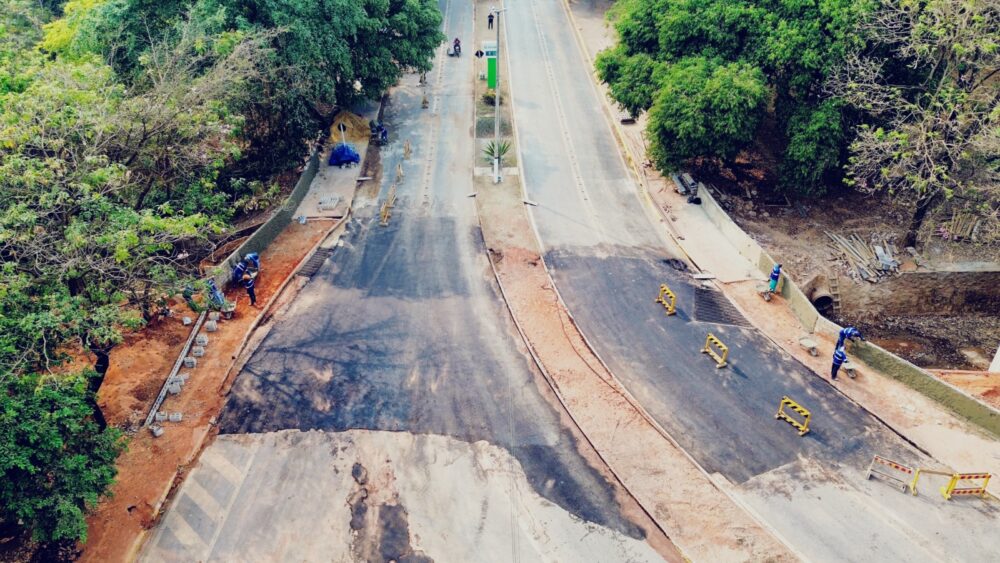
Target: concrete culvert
[{"x": 818, "y": 291}]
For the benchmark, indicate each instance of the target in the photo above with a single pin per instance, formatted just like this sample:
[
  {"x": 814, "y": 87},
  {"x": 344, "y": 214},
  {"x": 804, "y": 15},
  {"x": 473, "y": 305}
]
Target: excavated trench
[{"x": 937, "y": 320}]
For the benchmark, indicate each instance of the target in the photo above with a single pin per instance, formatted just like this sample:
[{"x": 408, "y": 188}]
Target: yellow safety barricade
[
  {"x": 782, "y": 414},
  {"x": 721, "y": 356},
  {"x": 667, "y": 299},
  {"x": 386, "y": 211},
  {"x": 951, "y": 489},
  {"x": 879, "y": 462}
]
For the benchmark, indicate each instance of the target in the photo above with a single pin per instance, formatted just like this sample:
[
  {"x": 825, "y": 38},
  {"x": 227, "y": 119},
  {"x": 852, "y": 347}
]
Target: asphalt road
[
  {"x": 608, "y": 259},
  {"x": 402, "y": 331}
]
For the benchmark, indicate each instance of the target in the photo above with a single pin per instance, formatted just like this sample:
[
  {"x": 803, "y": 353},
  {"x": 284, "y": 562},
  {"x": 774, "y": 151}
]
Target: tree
[
  {"x": 930, "y": 85},
  {"x": 705, "y": 108},
  {"x": 786, "y": 47},
  {"x": 55, "y": 463},
  {"x": 324, "y": 53},
  {"x": 103, "y": 191}
]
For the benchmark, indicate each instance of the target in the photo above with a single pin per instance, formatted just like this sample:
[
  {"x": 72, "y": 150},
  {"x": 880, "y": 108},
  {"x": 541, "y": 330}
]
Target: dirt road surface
[
  {"x": 392, "y": 413},
  {"x": 608, "y": 257}
]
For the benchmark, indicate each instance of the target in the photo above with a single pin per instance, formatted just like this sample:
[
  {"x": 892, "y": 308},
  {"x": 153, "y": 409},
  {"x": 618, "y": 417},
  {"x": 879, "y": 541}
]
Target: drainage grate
[
  {"x": 712, "y": 307},
  {"x": 315, "y": 262}
]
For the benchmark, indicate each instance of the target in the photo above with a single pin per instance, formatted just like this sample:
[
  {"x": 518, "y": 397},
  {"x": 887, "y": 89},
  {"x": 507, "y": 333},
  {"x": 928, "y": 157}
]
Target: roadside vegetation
[
  {"x": 892, "y": 97},
  {"x": 133, "y": 134}
]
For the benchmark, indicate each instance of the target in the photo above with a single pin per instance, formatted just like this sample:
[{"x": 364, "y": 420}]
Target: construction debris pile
[
  {"x": 962, "y": 227},
  {"x": 869, "y": 261}
]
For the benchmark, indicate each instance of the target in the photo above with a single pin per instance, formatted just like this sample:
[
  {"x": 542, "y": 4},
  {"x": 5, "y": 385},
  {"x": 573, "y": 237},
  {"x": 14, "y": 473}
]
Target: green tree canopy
[
  {"x": 54, "y": 461},
  {"x": 705, "y": 108},
  {"x": 787, "y": 48}
]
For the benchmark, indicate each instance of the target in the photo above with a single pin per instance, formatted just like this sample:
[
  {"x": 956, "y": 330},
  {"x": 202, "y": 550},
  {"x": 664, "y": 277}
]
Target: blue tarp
[{"x": 343, "y": 154}]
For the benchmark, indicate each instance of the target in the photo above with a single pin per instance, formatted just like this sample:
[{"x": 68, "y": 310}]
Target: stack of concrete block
[
  {"x": 211, "y": 326},
  {"x": 190, "y": 362},
  {"x": 197, "y": 351},
  {"x": 201, "y": 340}
]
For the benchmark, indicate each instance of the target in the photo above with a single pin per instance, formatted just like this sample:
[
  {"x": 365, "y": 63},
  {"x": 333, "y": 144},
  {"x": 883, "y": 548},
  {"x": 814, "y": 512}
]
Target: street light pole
[{"x": 496, "y": 112}]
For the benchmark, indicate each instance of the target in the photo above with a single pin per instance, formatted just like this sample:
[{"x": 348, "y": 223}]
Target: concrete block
[
  {"x": 156, "y": 430},
  {"x": 197, "y": 351},
  {"x": 174, "y": 388},
  {"x": 183, "y": 376},
  {"x": 160, "y": 416},
  {"x": 201, "y": 340},
  {"x": 213, "y": 316},
  {"x": 186, "y": 320},
  {"x": 211, "y": 326},
  {"x": 190, "y": 362},
  {"x": 176, "y": 417}
]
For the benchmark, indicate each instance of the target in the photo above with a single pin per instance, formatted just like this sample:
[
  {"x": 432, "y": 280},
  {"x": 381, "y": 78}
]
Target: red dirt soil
[{"x": 139, "y": 367}]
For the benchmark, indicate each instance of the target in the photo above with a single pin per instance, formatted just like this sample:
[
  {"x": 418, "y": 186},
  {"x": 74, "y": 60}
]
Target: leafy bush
[
  {"x": 490, "y": 97},
  {"x": 54, "y": 461}
]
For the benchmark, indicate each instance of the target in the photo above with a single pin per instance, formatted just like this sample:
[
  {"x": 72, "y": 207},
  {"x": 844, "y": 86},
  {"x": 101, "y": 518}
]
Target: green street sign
[{"x": 491, "y": 72}]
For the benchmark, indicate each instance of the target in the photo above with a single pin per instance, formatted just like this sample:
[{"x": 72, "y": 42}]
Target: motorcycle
[{"x": 456, "y": 49}]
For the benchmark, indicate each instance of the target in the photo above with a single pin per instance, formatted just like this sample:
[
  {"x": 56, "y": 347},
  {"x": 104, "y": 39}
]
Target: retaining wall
[
  {"x": 271, "y": 228},
  {"x": 954, "y": 399},
  {"x": 927, "y": 293}
]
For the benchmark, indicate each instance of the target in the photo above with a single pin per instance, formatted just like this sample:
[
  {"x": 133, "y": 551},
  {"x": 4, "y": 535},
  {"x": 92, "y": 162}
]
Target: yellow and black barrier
[
  {"x": 952, "y": 489},
  {"x": 721, "y": 356},
  {"x": 782, "y": 414},
  {"x": 879, "y": 465},
  {"x": 667, "y": 299}
]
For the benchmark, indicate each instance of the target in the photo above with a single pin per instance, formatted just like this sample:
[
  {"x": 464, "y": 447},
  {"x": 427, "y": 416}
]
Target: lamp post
[{"x": 496, "y": 113}]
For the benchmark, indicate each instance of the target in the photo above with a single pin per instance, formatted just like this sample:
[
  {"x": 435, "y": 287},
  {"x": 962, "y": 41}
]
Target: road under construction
[{"x": 394, "y": 412}]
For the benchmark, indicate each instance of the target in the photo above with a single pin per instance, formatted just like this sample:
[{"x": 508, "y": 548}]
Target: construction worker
[
  {"x": 775, "y": 276},
  {"x": 849, "y": 333},
  {"x": 839, "y": 357},
  {"x": 238, "y": 270},
  {"x": 248, "y": 284}
]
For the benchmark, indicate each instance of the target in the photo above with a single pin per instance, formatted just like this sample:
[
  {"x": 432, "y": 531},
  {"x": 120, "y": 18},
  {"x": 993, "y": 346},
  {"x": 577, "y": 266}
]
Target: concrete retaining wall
[
  {"x": 927, "y": 293},
  {"x": 270, "y": 230},
  {"x": 954, "y": 399}
]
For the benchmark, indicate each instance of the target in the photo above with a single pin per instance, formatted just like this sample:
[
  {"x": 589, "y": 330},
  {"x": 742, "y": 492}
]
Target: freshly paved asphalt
[
  {"x": 608, "y": 259},
  {"x": 404, "y": 328}
]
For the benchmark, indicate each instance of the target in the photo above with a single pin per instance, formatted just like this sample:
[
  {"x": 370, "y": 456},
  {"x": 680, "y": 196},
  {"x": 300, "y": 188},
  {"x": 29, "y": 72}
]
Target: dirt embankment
[{"x": 139, "y": 367}]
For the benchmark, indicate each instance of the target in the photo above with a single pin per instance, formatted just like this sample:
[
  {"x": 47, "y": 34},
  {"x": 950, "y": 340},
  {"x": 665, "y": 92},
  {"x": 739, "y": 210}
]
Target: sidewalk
[
  {"x": 152, "y": 467},
  {"x": 928, "y": 424}
]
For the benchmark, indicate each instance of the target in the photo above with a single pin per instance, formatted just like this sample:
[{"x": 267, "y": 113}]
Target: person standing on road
[
  {"x": 775, "y": 276},
  {"x": 489, "y": 21},
  {"x": 839, "y": 357},
  {"x": 248, "y": 283},
  {"x": 849, "y": 333}
]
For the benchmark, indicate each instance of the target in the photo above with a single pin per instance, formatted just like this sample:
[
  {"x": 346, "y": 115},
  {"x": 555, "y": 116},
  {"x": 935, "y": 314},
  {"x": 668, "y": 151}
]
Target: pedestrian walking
[
  {"x": 248, "y": 282},
  {"x": 489, "y": 21},
  {"x": 775, "y": 276},
  {"x": 839, "y": 357},
  {"x": 849, "y": 333}
]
